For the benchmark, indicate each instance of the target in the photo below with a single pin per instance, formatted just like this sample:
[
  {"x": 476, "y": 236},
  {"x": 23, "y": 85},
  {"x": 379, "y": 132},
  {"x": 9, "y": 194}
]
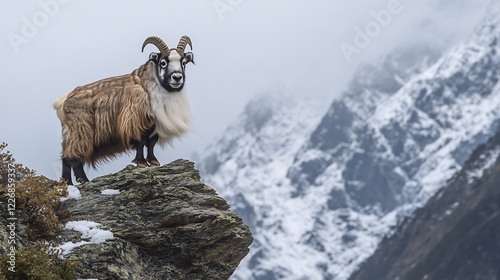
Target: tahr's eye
[
  {"x": 184, "y": 62},
  {"x": 163, "y": 64}
]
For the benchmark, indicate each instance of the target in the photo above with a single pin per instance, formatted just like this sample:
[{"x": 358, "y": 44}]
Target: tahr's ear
[
  {"x": 190, "y": 57},
  {"x": 155, "y": 57}
]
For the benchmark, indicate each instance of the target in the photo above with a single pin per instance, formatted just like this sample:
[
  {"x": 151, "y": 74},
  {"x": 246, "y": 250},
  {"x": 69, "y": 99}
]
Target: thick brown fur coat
[{"x": 103, "y": 119}]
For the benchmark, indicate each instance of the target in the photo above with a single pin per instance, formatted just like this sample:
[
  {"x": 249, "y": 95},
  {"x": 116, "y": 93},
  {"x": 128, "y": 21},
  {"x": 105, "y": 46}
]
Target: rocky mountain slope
[
  {"x": 150, "y": 223},
  {"x": 455, "y": 236},
  {"x": 321, "y": 191}
]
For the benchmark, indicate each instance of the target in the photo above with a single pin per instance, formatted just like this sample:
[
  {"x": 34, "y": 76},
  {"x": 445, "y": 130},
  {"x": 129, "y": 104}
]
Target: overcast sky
[{"x": 242, "y": 48}]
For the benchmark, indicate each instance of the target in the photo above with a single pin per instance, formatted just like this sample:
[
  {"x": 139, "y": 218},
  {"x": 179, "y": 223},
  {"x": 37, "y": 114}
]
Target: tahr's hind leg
[
  {"x": 153, "y": 161},
  {"x": 77, "y": 166},
  {"x": 66, "y": 171},
  {"x": 80, "y": 175}
]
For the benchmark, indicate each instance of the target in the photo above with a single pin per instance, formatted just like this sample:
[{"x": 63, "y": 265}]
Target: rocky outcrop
[{"x": 165, "y": 224}]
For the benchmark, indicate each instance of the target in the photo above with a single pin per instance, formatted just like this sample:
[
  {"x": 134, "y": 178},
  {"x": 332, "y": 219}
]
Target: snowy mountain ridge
[
  {"x": 458, "y": 227},
  {"x": 320, "y": 191}
]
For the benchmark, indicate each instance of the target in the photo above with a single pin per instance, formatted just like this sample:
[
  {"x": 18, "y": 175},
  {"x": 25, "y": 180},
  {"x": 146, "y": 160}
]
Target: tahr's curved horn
[
  {"x": 157, "y": 42},
  {"x": 185, "y": 40}
]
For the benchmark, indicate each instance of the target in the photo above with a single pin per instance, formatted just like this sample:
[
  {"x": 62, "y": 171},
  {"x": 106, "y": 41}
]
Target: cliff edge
[{"x": 152, "y": 223}]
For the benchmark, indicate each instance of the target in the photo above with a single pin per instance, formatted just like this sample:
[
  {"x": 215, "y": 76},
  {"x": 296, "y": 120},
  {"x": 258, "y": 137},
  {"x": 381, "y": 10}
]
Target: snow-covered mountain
[
  {"x": 458, "y": 227},
  {"x": 320, "y": 190}
]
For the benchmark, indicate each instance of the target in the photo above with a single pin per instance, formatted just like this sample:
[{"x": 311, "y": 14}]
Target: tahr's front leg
[
  {"x": 139, "y": 156},
  {"x": 153, "y": 161}
]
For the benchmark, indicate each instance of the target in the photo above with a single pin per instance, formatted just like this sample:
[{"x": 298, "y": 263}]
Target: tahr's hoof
[
  {"x": 154, "y": 163},
  {"x": 67, "y": 181},
  {"x": 82, "y": 180},
  {"x": 140, "y": 163}
]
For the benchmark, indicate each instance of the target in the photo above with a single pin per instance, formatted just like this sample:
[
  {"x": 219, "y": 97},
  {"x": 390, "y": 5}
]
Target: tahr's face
[{"x": 171, "y": 70}]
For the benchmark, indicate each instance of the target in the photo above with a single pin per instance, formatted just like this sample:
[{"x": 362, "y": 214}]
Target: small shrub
[
  {"x": 7, "y": 161},
  {"x": 40, "y": 198},
  {"x": 37, "y": 196},
  {"x": 38, "y": 206},
  {"x": 34, "y": 263}
]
